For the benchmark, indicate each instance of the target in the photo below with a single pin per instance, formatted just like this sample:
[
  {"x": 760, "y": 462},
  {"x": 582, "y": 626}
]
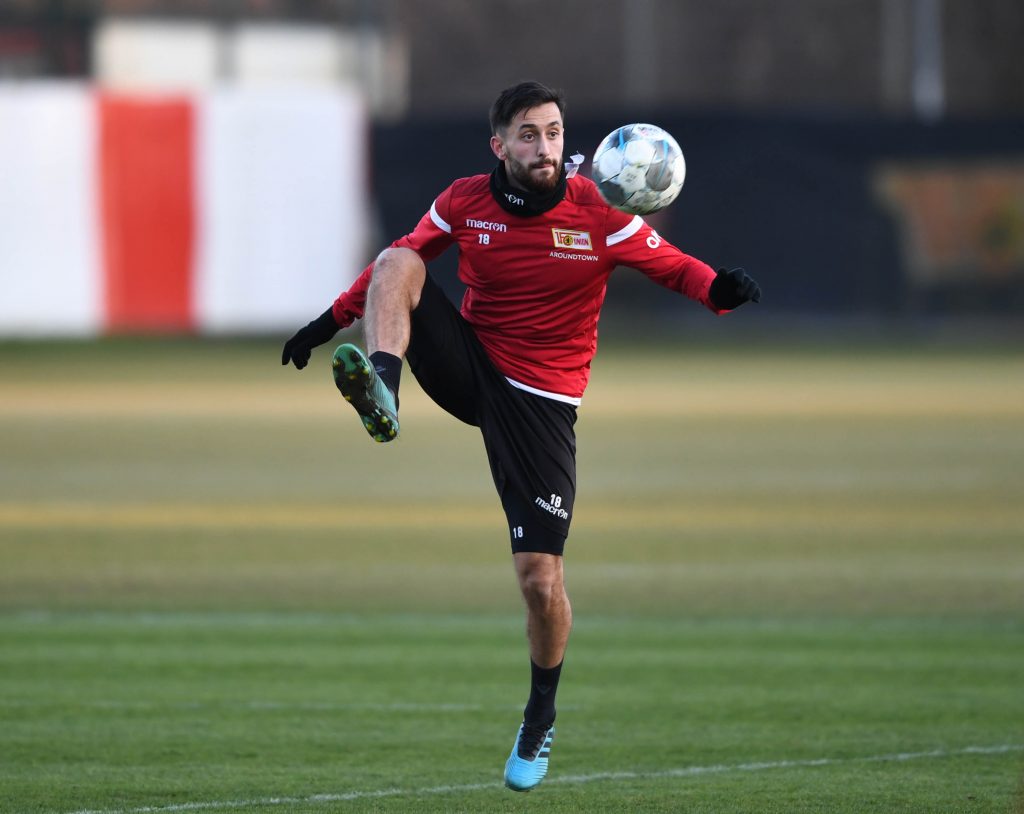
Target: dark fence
[{"x": 833, "y": 216}]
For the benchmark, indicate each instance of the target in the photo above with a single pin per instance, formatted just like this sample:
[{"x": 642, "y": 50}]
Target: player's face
[{"x": 531, "y": 147}]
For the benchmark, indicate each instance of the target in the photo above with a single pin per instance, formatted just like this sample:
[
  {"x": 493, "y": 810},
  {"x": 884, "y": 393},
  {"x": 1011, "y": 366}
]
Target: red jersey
[{"x": 535, "y": 284}]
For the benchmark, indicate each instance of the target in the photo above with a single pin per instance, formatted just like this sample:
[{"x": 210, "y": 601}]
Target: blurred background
[{"x": 228, "y": 167}]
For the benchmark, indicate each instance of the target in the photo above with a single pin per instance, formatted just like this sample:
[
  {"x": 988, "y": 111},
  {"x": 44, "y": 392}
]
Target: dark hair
[{"x": 521, "y": 97}]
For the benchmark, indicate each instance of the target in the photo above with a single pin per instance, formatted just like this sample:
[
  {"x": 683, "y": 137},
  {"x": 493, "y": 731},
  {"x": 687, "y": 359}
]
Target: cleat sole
[{"x": 359, "y": 386}]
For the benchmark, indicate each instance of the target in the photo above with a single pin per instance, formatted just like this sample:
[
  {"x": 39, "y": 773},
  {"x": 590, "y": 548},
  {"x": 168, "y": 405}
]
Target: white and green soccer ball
[{"x": 639, "y": 168}]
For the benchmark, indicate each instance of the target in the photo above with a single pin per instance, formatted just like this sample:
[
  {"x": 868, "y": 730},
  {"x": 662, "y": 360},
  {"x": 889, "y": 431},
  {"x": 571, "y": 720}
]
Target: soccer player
[{"x": 536, "y": 245}]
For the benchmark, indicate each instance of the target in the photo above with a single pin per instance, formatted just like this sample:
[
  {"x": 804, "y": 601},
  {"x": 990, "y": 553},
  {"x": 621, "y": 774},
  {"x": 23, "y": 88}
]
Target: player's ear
[{"x": 498, "y": 148}]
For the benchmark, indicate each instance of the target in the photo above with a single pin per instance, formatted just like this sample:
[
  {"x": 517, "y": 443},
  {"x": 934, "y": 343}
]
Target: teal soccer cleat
[
  {"x": 359, "y": 383},
  {"x": 528, "y": 763}
]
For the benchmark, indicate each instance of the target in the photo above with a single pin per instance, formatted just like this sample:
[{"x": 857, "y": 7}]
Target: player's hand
[
  {"x": 299, "y": 347},
  {"x": 733, "y": 287}
]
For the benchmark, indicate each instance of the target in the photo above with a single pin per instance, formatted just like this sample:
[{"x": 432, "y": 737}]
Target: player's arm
[
  {"x": 634, "y": 243},
  {"x": 431, "y": 236}
]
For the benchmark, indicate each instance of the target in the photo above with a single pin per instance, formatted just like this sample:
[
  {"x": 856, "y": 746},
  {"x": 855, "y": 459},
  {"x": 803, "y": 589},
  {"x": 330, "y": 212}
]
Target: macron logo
[
  {"x": 473, "y": 223},
  {"x": 513, "y": 199},
  {"x": 553, "y": 506}
]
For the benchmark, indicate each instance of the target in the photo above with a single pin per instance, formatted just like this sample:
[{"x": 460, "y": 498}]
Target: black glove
[
  {"x": 299, "y": 347},
  {"x": 731, "y": 288}
]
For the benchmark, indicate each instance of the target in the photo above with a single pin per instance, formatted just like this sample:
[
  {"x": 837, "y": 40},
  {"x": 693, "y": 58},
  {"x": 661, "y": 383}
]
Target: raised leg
[{"x": 394, "y": 292}]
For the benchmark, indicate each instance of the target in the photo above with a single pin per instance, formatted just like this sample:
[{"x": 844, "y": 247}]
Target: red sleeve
[
  {"x": 635, "y": 244},
  {"x": 432, "y": 235}
]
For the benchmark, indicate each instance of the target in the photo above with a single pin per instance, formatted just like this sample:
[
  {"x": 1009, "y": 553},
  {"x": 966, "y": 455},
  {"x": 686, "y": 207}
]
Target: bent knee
[
  {"x": 397, "y": 264},
  {"x": 399, "y": 273}
]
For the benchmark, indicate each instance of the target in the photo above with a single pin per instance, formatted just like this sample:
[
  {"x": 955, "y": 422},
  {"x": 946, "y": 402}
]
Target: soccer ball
[{"x": 639, "y": 168}]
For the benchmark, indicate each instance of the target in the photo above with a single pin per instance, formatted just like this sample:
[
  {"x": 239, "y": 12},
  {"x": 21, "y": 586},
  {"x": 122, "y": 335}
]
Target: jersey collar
[{"x": 522, "y": 202}]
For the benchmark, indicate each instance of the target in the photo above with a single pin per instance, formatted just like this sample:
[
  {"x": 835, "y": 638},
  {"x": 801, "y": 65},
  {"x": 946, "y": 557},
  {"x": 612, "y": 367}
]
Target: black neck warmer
[{"x": 523, "y": 202}]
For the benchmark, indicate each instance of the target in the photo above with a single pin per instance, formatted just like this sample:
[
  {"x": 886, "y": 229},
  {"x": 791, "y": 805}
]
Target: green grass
[
  {"x": 136, "y": 709},
  {"x": 798, "y": 581}
]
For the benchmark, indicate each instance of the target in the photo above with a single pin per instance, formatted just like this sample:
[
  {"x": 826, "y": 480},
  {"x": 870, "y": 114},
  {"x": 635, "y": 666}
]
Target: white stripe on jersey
[
  {"x": 575, "y": 401},
  {"x": 439, "y": 222},
  {"x": 628, "y": 230}
]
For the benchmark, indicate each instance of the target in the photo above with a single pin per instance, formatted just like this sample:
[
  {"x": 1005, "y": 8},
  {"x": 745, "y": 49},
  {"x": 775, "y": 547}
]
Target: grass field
[{"x": 798, "y": 578}]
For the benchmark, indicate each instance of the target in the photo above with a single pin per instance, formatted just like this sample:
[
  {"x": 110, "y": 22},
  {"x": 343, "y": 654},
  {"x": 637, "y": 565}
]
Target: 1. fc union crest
[{"x": 569, "y": 239}]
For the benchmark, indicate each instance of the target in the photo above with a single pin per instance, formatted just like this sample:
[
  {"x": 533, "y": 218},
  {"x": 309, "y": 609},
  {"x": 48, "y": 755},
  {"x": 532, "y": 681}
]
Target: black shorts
[{"x": 530, "y": 440}]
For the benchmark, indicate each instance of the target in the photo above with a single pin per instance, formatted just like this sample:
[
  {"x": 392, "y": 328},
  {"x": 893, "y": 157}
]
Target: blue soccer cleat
[
  {"x": 359, "y": 383},
  {"x": 528, "y": 763}
]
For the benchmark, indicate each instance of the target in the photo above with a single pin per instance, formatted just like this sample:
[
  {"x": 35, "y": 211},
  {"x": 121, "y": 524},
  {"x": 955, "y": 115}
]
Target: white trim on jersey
[
  {"x": 439, "y": 222},
  {"x": 628, "y": 230},
  {"x": 575, "y": 401}
]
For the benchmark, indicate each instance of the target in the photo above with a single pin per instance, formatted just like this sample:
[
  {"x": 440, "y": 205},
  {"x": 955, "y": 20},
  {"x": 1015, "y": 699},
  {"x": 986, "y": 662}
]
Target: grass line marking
[
  {"x": 579, "y": 779},
  {"x": 257, "y": 706},
  {"x": 267, "y": 706},
  {"x": 53, "y": 515}
]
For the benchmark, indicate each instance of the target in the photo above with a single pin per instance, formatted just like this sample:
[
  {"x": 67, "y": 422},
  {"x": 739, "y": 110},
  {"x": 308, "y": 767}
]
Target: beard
[{"x": 521, "y": 174}]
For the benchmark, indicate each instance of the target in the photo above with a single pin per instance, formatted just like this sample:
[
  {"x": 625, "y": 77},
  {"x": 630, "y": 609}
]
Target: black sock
[
  {"x": 389, "y": 368},
  {"x": 540, "y": 709}
]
